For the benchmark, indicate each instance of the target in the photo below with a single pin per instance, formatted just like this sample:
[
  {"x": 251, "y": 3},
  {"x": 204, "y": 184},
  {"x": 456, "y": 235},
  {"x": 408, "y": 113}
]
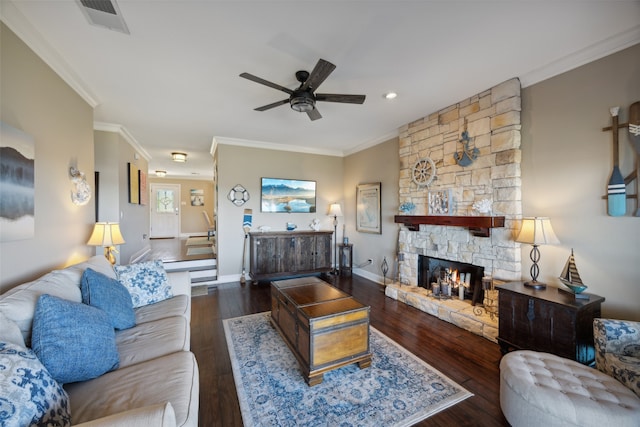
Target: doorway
[{"x": 164, "y": 209}]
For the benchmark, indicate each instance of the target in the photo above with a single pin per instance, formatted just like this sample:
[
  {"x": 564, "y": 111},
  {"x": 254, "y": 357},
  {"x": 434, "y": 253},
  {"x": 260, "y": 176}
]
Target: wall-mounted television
[{"x": 287, "y": 195}]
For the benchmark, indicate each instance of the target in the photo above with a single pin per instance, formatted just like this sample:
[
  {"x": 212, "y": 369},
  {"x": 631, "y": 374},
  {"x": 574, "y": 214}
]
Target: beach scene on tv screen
[{"x": 288, "y": 195}]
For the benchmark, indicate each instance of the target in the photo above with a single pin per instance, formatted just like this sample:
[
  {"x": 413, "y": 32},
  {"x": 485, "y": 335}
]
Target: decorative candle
[
  {"x": 467, "y": 280},
  {"x": 435, "y": 288},
  {"x": 461, "y": 292}
]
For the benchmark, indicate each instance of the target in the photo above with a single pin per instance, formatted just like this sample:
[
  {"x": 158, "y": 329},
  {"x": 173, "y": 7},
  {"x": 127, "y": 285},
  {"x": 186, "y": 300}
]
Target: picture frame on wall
[
  {"x": 287, "y": 195},
  {"x": 368, "y": 208},
  {"x": 144, "y": 194},
  {"x": 134, "y": 186}
]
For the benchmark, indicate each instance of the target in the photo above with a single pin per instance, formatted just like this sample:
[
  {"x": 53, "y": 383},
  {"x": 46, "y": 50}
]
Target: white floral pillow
[
  {"x": 28, "y": 394},
  {"x": 147, "y": 282}
]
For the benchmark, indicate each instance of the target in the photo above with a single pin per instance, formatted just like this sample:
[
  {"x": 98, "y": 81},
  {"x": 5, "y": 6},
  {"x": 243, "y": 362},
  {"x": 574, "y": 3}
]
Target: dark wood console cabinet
[
  {"x": 289, "y": 253},
  {"x": 547, "y": 320}
]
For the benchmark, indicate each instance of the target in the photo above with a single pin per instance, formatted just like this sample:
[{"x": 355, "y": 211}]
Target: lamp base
[{"x": 534, "y": 284}]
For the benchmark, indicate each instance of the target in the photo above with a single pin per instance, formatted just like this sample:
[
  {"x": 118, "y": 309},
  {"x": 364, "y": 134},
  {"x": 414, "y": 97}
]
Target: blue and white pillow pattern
[
  {"x": 147, "y": 282},
  {"x": 28, "y": 394}
]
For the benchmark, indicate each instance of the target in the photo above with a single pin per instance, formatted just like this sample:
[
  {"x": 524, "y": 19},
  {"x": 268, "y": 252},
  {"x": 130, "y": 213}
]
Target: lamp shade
[
  {"x": 537, "y": 231},
  {"x": 335, "y": 210},
  {"x": 106, "y": 234}
]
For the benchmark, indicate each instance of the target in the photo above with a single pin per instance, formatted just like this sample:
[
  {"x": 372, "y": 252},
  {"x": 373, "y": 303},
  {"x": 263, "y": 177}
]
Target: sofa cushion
[
  {"x": 172, "y": 378},
  {"x": 9, "y": 331},
  {"x": 19, "y": 304},
  {"x": 147, "y": 282},
  {"x": 108, "y": 294},
  {"x": 147, "y": 341},
  {"x": 179, "y": 305},
  {"x": 75, "y": 341},
  {"x": 28, "y": 394}
]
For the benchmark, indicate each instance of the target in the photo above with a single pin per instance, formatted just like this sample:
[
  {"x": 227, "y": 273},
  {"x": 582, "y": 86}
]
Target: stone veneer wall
[{"x": 493, "y": 122}]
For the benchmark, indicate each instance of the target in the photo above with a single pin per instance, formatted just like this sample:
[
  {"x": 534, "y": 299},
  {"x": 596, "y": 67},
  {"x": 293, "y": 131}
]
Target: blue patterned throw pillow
[
  {"x": 109, "y": 295},
  {"x": 147, "y": 282},
  {"x": 74, "y": 341},
  {"x": 28, "y": 394}
]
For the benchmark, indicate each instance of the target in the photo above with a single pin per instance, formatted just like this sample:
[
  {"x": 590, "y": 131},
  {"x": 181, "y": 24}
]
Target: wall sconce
[
  {"x": 536, "y": 231},
  {"x": 107, "y": 234},
  {"x": 179, "y": 157},
  {"x": 81, "y": 194},
  {"x": 161, "y": 174}
]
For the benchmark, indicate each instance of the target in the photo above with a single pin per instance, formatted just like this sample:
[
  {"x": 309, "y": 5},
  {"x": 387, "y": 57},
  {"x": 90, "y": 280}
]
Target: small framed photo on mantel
[{"x": 441, "y": 202}]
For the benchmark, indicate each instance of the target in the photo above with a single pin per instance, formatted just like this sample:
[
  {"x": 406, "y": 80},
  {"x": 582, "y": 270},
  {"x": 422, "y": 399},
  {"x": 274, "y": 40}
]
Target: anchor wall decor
[{"x": 468, "y": 154}]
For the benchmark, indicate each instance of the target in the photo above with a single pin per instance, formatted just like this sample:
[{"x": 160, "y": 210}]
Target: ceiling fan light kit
[{"x": 303, "y": 99}]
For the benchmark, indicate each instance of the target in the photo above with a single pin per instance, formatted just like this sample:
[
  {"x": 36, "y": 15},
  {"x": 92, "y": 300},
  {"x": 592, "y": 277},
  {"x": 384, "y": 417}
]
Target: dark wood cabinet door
[
  {"x": 323, "y": 251},
  {"x": 306, "y": 253},
  {"x": 264, "y": 255}
]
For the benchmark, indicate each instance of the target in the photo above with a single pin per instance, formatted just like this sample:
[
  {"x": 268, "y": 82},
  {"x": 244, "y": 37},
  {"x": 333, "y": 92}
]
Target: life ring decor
[{"x": 238, "y": 195}]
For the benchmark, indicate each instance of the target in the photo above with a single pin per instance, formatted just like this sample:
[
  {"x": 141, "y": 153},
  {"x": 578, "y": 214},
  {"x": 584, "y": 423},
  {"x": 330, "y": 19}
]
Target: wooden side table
[
  {"x": 345, "y": 255},
  {"x": 547, "y": 320}
]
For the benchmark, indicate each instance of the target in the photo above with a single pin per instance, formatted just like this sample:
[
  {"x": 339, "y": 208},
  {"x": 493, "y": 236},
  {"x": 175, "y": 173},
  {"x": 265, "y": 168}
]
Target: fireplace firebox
[{"x": 429, "y": 269}]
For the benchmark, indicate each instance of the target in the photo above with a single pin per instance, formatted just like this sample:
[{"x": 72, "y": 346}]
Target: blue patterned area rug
[{"x": 398, "y": 389}]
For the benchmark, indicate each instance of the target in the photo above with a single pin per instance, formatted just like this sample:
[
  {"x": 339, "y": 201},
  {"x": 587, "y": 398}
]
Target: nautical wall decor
[
  {"x": 617, "y": 187},
  {"x": 238, "y": 195},
  {"x": 468, "y": 154}
]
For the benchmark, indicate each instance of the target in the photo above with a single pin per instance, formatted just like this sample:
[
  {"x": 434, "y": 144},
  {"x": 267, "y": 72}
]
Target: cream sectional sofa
[{"x": 156, "y": 383}]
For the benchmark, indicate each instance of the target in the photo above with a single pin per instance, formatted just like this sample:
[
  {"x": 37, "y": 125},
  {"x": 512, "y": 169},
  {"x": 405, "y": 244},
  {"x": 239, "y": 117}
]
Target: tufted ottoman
[{"x": 541, "y": 389}]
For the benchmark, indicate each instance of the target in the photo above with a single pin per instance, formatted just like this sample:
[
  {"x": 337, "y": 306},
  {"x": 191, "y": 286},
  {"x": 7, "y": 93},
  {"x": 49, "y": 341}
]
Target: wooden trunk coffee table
[{"x": 324, "y": 327}]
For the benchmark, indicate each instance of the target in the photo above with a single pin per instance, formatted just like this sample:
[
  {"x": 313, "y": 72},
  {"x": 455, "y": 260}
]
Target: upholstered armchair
[{"x": 617, "y": 344}]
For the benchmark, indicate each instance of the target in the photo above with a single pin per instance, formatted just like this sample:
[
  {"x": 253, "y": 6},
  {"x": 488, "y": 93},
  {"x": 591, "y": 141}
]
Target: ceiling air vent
[{"x": 104, "y": 13}]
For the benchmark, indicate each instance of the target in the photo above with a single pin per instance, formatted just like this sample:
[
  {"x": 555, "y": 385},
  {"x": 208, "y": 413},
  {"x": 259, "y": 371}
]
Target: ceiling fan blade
[
  {"x": 270, "y": 106},
  {"x": 320, "y": 72},
  {"x": 265, "y": 82},
  {"x": 314, "y": 114},
  {"x": 336, "y": 97}
]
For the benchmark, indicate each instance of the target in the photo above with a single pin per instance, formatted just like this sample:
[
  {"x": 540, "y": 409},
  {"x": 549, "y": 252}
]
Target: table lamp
[
  {"x": 107, "y": 234},
  {"x": 536, "y": 231},
  {"x": 335, "y": 211}
]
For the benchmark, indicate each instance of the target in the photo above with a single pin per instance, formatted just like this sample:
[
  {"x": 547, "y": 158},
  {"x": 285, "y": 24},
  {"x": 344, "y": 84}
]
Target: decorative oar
[
  {"x": 246, "y": 227},
  {"x": 634, "y": 133},
  {"x": 616, "y": 190}
]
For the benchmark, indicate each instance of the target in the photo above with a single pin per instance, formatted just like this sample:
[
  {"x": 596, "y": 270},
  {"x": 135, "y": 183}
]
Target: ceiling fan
[{"x": 303, "y": 99}]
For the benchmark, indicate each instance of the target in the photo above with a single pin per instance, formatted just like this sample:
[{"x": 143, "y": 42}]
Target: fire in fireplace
[{"x": 429, "y": 269}]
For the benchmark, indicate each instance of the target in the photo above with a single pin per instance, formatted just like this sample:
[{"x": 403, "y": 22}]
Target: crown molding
[
  {"x": 223, "y": 140},
  {"x": 584, "y": 56},
  {"x": 124, "y": 133},
  {"x": 15, "y": 20}
]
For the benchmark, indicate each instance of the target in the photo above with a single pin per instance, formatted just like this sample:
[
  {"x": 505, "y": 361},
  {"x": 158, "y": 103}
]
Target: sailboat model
[{"x": 570, "y": 276}]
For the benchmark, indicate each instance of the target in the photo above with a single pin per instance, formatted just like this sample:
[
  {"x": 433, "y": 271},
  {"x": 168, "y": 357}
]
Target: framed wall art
[
  {"x": 287, "y": 195},
  {"x": 134, "y": 186},
  {"x": 368, "y": 210},
  {"x": 440, "y": 202}
]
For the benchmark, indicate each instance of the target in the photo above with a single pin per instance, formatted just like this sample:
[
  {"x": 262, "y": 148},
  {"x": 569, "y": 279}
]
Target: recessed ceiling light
[{"x": 390, "y": 95}]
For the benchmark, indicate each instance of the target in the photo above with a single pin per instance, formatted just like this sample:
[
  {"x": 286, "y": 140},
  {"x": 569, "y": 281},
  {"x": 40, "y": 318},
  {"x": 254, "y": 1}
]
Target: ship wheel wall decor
[{"x": 424, "y": 172}]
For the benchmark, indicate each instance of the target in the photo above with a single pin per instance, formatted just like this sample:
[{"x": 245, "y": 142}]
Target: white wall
[
  {"x": 566, "y": 165},
  {"x": 380, "y": 163},
  {"x": 36, "y": 101}
]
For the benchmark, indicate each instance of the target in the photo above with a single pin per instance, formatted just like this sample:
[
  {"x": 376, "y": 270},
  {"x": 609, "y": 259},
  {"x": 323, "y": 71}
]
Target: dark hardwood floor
[{"x": 468, "y": 359}]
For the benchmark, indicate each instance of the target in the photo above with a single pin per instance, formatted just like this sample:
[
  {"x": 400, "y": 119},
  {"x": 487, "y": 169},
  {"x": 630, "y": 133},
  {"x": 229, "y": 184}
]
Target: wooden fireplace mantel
[{"x": 478, "y": 225}]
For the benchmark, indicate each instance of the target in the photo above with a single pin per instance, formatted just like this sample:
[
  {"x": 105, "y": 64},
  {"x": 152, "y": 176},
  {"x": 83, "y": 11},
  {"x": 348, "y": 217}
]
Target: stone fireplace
[{"x": 492, "y": 120}]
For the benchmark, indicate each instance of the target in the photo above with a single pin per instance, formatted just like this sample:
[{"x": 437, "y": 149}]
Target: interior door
[{"x": 165, "y": 210}]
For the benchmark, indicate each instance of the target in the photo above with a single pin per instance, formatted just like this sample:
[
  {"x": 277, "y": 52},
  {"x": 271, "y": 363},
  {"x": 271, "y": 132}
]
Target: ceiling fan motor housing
[{"x": 302, "y": 101}]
